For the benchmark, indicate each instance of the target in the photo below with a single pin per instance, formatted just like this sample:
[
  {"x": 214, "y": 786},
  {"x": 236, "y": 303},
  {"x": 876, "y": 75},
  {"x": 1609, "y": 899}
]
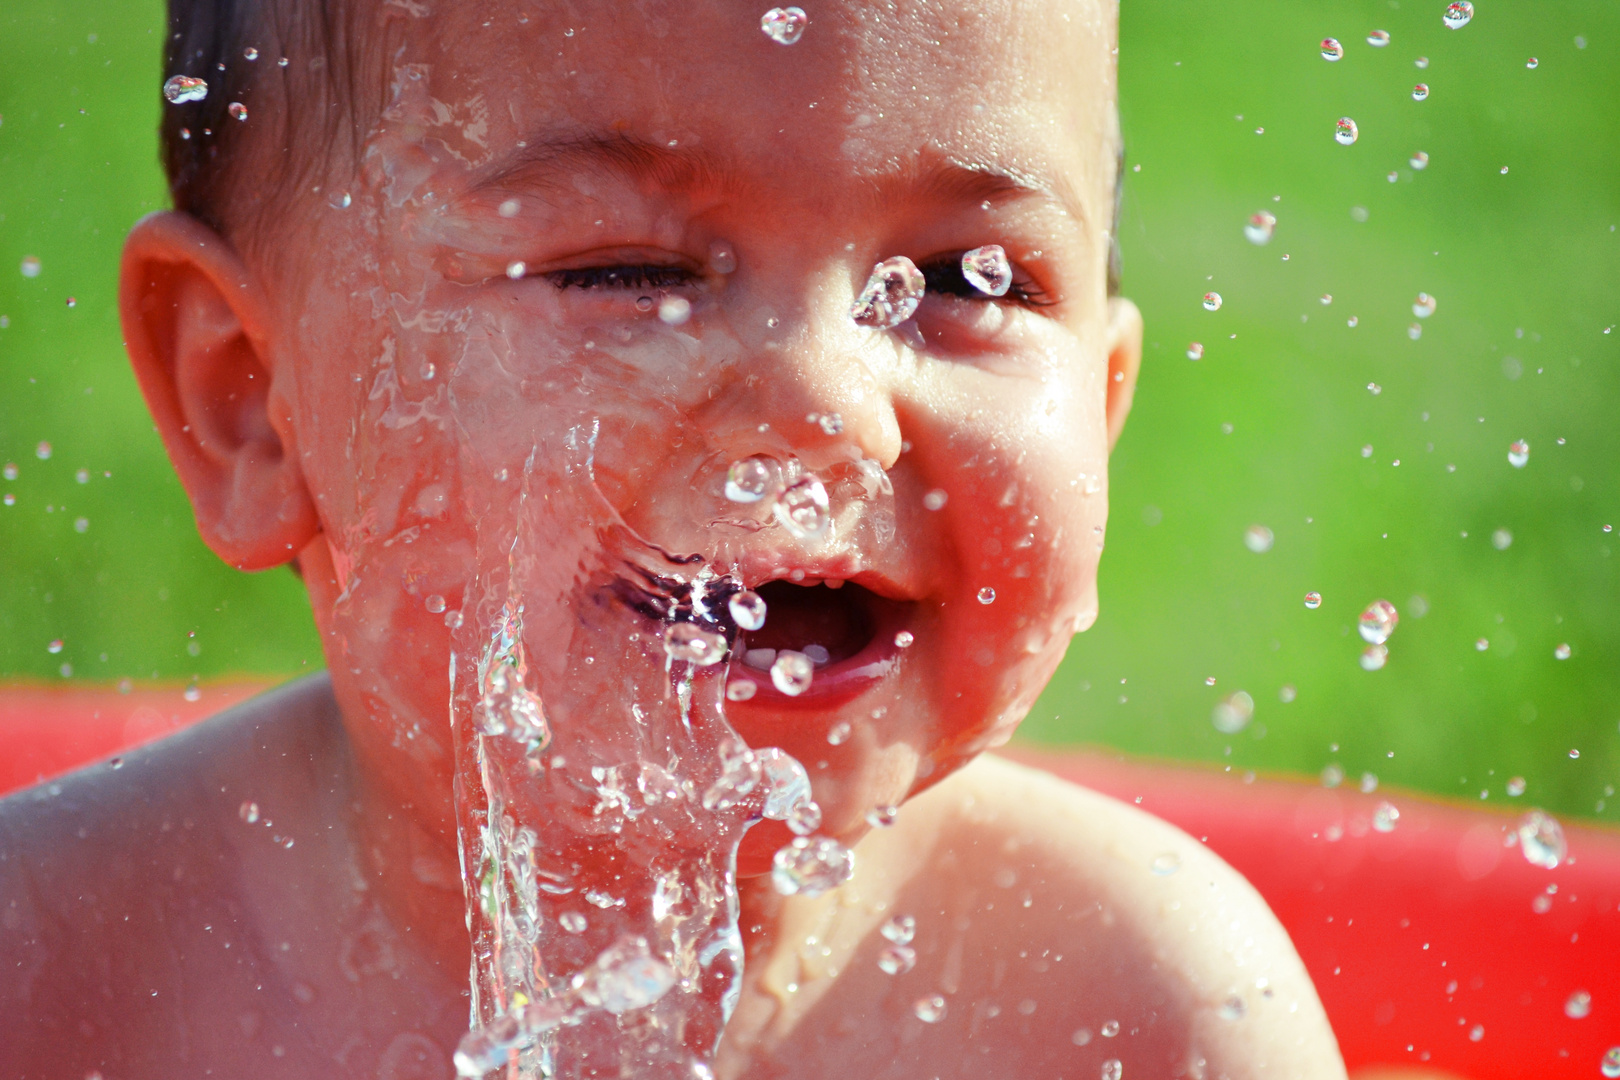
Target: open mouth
[{"x": 846, "y": 632}]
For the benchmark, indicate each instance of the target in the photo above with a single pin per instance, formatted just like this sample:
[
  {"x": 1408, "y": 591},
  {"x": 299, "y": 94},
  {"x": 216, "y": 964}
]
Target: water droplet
[
  {"x": 1418, "y": 161},
  {"x": 510, "y": 208},
  {"x": 891, "y": 295},
  {"x": 1195, "y": 351},
  {"x": 250, "y": 53},
  {"x": 1081, "y": 1037},
  {"x": 1541, "y": 840},
  {"x": 751, "y": 479},
  {"x": 434, "y": 604},
  {"x": 1579, "y": 1005},
  {"x": 1518, "y": 453},
  {"x": 830, "y": 423},
  {"x": 627, "y": 977},
  {"x": 1374, "y": 657},
  {"x": 1233, "y": 713},
  {"x": 237, "y": 110},
  {"x": 791, "y": 672},
  {"x": 516, "y": 270},
  {"x": 1332, "y": 775},
  {"x": 1232, "y": 1008},
  {"x": 1112, "y": 1069},
  {"x": 181, "y": 89},
  {"x": 1260, "y": 227},
  {"x": 1515, "y": 786},
  {"x": 747, "y": 609},
  {"x": 897, "y": 959},
  {"x": 1378, "y": 38},
  {"x": 929, "y": 1009},
  {"x": 1562, "y": 651},
  {"x": 1378, "y": 622},
  {"x": 1424, "y": 305},
  {"x": 283, "y": 62},
  {"x": 1476, "y": 1033},
  {"x": 1369, "y": 783},
  {"x": 1258, "y": 539},
  {"x": 1414, "y": 331},
  {"x": 839, "y": 733},
  {"x": 1532, "y": 63},
  {"x": 901, "y": 929},
  {"x": 694, "y": 645},
  {"x": 644, "y": 303},
  {"x": 741, "y": 690},
  {"x": 810, "y": 866},
  {"x": 1345, "y": 131},
  {"x": 1332, "y": 51},
  {"x": 1384, "y": 817},
  {"x": 1610, "y": 1065},
  {"x": 674, "y": 310},
  {"x": 1212, "y": 301},
  {"x": 1166, "y": 864},
  {"x": 193, "y": 692},
  {"x": 988, "y": 270},
  {"x": 1420, "y": 92},
  {"x": 72, "y": 302},
  {"x": 573, "y": 922},
  {"x": 1501, "y": 539},
  {"x": 54, "y": 647},
  {"x": 722, "y": 257},
  {"x": 785, "y": 26},
  {"x": 802, "y": 509},
  {"x": 987, "y": 595},
  {"x": 1313, "y": 600},
  {"x": 248, "y": 812},
  {"x": 1458, "y": 14},
  {"x": 43, "y": 451},
  {"x": 340, "y": 200},
  {"x": 10, "y": 470},
  {"x": 935, "y": 499},
  {"x": 904, "y": 639},
  {"x": 883, "y": 817},
  {"x": 805, "y": 818},
  {"x": 1110, "y": 1029}
]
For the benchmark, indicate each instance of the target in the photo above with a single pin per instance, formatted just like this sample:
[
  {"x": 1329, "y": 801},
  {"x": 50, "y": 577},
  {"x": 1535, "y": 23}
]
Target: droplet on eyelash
[
  {"x": 987, "y": 269},
  {"x": 891, "y": 296}
]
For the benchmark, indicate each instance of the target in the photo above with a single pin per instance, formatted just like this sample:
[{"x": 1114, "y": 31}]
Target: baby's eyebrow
[{"x": 932, "y": 176}]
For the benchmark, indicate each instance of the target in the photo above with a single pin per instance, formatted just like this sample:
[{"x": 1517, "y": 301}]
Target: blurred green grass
[{"x": 1268, "y": 428}]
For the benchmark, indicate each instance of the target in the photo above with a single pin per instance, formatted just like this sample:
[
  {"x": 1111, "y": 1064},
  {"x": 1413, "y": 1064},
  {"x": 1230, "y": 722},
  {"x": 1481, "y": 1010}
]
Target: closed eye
[
  {"x": 944, "y": 277},
  {"x": 644, "y": 277}
]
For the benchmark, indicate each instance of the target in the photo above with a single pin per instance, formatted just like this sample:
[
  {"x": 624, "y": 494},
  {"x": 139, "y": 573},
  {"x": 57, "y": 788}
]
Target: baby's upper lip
[{"x": 757, "y": 568}]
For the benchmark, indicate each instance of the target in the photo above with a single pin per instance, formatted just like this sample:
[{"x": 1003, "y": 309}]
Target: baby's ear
[
  {"x": 1124, "y": 361},
  {"x": 198, "y": 336}
]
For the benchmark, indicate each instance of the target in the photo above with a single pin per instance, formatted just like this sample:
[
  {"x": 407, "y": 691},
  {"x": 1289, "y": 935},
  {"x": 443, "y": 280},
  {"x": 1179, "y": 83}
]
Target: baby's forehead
[{"x": 1018, "y": 87}]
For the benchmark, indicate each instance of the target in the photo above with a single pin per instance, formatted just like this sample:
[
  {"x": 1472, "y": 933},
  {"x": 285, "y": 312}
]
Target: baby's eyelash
[
  {"x": 646, "y": 277},
  {"x": 945, "y": 277}
]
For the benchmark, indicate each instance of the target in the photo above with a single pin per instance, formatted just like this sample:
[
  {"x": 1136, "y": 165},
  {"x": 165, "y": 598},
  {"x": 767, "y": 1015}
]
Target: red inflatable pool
[{"x": 1435, "y": 945}]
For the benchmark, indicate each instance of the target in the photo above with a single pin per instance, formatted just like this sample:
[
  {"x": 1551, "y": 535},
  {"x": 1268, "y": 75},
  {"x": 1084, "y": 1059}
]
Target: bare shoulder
[{"x": 1097, "y": 917}]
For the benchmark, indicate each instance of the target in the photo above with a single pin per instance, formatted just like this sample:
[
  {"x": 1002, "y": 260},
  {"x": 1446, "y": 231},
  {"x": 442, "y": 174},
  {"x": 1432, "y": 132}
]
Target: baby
[{"x": 544, "y": 340}]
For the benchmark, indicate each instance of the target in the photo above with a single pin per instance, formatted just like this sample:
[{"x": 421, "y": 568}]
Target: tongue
[{"x": 797, "y": 616}]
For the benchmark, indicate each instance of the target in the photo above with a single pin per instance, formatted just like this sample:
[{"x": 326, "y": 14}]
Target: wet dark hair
[{"x": 297, "y": 90}]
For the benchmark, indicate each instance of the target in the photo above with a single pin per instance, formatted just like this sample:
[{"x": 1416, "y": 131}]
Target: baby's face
[{"x": 695, "y": 207}]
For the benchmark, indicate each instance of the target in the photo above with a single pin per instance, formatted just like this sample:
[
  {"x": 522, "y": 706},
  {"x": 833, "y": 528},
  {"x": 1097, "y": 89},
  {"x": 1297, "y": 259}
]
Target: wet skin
[{"x": 302, "y": 373}]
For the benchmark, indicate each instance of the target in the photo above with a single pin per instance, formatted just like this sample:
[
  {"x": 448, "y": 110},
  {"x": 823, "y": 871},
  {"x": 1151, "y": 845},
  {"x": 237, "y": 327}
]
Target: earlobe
[
  {"x": 1124, "y": 362},
  {"x": 198, "y": 338}
]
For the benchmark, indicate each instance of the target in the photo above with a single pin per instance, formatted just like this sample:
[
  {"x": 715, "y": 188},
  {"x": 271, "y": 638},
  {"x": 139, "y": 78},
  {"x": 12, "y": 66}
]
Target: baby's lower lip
[{"x": 833, "y": 684}]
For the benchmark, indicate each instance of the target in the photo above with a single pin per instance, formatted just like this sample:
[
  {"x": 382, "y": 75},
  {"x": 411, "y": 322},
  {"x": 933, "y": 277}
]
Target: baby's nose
[{"x": 820, "y": 389}]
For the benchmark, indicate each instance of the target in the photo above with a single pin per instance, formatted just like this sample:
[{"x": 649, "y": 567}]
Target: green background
[{"x": 1268, "y": 428}]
